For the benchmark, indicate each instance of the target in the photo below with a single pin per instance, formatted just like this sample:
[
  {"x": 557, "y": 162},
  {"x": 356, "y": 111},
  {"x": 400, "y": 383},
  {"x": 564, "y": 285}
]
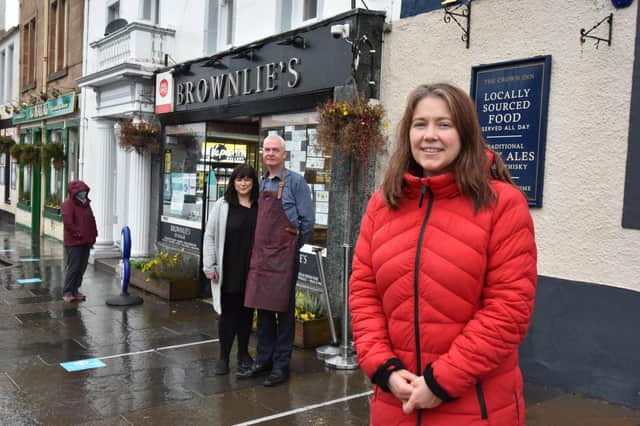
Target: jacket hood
[{"x": 76, "y": 186}]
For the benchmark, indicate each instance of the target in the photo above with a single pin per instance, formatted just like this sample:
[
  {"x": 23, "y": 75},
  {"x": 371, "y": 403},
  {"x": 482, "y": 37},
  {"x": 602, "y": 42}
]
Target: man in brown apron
[{"x": 285, "y": 221}]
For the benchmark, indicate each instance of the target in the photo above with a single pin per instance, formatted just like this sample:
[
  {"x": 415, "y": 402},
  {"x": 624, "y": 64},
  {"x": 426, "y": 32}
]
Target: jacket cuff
[
  {"x": 382, "y": 374},
  {"x": 435, "y": 387}
]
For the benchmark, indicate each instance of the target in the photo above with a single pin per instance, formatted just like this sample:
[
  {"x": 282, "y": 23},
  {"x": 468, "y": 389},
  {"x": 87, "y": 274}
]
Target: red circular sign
[{"x": 164, "y": 87}]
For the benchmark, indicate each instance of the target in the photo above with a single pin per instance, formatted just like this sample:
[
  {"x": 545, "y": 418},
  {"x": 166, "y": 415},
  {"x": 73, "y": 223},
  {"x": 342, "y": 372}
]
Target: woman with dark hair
[
  {"x": 227, "y": 245},
  {"x": 444, "y": 274}
]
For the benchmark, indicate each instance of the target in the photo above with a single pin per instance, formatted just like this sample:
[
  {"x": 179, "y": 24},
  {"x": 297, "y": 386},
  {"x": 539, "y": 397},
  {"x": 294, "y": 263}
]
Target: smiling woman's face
[{"x": 435, "y": 142}]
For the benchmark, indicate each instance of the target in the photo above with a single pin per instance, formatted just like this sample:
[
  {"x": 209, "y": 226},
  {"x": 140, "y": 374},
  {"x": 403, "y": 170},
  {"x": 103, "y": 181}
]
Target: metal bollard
[{"x": 346, "y": 360}]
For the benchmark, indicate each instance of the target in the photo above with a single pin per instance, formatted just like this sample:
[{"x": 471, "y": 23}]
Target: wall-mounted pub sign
[{"x": 512, "y": 100}]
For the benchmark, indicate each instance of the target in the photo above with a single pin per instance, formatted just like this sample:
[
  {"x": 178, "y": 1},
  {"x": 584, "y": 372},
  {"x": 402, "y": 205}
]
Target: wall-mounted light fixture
[
  {"x": 55, "y": 92},
  {"x": 454, "y": 9},
  {"x": 44, "y": 96},
  {"x": 295, "y": 41},
  {"x": 248, "y": 54},
  {"x": 215, "y": 63},
  {"x": 584, "y": 34}
]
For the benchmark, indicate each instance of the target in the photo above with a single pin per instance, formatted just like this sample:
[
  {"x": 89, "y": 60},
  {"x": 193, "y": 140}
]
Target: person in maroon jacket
[{"x": 80, "y": 234}]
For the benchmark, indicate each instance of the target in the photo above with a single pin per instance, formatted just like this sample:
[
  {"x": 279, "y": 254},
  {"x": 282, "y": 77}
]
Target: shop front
[
  {"x": 8, "y": 173},
  {"x": 216, "y": 111},
  {"x": 45, "y": 159}
]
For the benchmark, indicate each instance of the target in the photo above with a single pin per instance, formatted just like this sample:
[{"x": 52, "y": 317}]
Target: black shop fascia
[{"x": 215, "y": 111}]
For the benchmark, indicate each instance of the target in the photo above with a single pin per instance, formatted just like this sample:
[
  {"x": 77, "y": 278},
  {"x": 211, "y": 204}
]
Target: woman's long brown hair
[{"x": 471, "y": 168}]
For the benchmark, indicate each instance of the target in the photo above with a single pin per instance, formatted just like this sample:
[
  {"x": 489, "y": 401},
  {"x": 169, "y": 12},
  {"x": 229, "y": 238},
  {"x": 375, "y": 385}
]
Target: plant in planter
[
  {"x": 167, "y": 275},
  {"x": 24, "y": 198},
  {"x": 312, "y": 326},
  {"x": 142, "y": 137},
  {"x": 6, "y": 143},
  {"x": 53, "y": 202},
  {"x": 53, "y": 152}
]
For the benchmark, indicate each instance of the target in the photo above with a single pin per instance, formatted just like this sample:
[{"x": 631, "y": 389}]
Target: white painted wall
[{"x": 578, "y": 229}]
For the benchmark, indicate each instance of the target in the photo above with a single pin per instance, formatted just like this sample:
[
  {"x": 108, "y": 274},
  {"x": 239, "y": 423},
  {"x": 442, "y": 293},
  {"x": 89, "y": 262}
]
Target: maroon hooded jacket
[{"x": 79, "y": 223}]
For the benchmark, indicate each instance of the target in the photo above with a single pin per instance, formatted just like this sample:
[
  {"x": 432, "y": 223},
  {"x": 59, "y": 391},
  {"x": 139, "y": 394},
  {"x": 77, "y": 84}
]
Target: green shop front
[{"x": 47, "y": 159}]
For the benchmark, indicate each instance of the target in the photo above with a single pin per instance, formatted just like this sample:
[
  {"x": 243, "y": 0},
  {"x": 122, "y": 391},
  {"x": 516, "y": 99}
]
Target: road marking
[
  {"x": 29, "y": 280},
  {"x": 12, "y": 381},
  {"x": 126, "y": 354},
  {"x": 30, "y": 259},
  {"x": 164, "y": 348},
  {"x": 303, "y": 409},
  {"x": 83, "y": 364}
]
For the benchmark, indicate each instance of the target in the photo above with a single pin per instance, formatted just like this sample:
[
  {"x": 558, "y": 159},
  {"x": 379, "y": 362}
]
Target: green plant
[
  {"x": 352, "y": 127},
  {"x": 139, "y": 137},
  {"x": 30, "y": 155},
  {"x": 16, "y": 151},
  {"x": 308, "y": 306},
  {"x": 6, "y": 143},
  {"x": 53, "y": 152},
  {"x": 53, "y": 201},
  {"x": 167, "y": 266}
]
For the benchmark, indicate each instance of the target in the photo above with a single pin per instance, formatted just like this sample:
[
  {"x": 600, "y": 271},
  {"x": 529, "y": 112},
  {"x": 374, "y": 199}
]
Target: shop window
[
  {"x": 58, "y": 35},
  {"x": 3, "y": 55},
  {"x": 28, "y": 74},
  {"x": 183, "y": 182},
  {"x": 2, "y": 169},
  {"x": 306, "y": 157},
  {"x": 54, "y": 175},
  {"x": 72, "y": 154}
]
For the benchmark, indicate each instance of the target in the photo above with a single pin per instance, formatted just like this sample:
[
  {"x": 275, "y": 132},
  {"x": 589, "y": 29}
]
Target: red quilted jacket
[{"x": 433, "y": 278}]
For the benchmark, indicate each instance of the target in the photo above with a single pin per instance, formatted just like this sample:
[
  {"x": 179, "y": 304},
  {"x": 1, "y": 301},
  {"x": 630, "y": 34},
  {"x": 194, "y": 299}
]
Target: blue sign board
[{"x": 512, "y": 100}]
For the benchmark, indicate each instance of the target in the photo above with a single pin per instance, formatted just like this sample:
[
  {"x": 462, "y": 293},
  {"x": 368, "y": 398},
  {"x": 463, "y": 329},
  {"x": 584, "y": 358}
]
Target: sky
[{"x": 11, "y": 14}]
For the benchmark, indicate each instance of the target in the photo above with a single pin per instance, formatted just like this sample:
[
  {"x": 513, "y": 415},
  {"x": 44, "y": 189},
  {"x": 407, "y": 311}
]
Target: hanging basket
[
  {"x": 141, "y": 138},
  {"x": 6, "y": 142},
  {"x": 352, "y": 127},
  {"x": 53, "y": 153}
]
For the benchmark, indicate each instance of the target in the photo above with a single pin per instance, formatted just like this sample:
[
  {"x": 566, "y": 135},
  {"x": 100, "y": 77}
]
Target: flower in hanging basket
[
  {"x": 141, "y": 137},
  {"x": 53, "y": 152},
  {"x": 6, "y": 142},
  {"x": 352, "y": 127}
]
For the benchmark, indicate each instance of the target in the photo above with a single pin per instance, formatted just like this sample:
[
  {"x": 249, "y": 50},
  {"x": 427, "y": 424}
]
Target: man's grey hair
[{"x": 275, "y": 137}]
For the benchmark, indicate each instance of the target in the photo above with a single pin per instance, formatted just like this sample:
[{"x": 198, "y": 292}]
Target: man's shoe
[
  {"x": 222, "y": 367},
  {"x": 254, "y": 371},
  {"x": 69, "y": 299},
  {"x": 80, "y": 297},
  {"x": 276, "y": 377}
]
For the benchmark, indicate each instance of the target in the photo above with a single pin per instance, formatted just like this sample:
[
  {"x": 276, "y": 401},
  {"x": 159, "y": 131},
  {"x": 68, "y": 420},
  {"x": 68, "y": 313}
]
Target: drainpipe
[
  {"x": 353, "y": 4},
  {"x": 84, "y": 122},
  {"x": 43, "y": 132}
]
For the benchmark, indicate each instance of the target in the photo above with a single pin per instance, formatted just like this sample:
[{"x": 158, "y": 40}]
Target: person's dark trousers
[
  {"x": 234, "y": 320},
  {"x": 77, "y": 260},
  {"x": 276, "y": 331}
]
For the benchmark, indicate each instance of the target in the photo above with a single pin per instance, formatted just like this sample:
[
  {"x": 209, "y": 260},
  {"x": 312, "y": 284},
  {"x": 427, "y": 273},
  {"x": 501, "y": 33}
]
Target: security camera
[{"x": 340, "y": 31}]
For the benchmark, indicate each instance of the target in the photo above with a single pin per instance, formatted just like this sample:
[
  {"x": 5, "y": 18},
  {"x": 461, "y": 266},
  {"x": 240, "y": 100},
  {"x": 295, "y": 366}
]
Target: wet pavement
[{"x": 159, "y": 362}]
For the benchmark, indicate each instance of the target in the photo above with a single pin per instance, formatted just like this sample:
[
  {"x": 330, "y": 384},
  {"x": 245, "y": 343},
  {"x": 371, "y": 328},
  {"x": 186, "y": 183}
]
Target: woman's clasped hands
[{"x": 412, "y": 391}]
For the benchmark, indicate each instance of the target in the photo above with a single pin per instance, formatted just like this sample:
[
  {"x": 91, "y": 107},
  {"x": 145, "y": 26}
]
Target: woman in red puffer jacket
[{"x": 444, "y": 274}]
